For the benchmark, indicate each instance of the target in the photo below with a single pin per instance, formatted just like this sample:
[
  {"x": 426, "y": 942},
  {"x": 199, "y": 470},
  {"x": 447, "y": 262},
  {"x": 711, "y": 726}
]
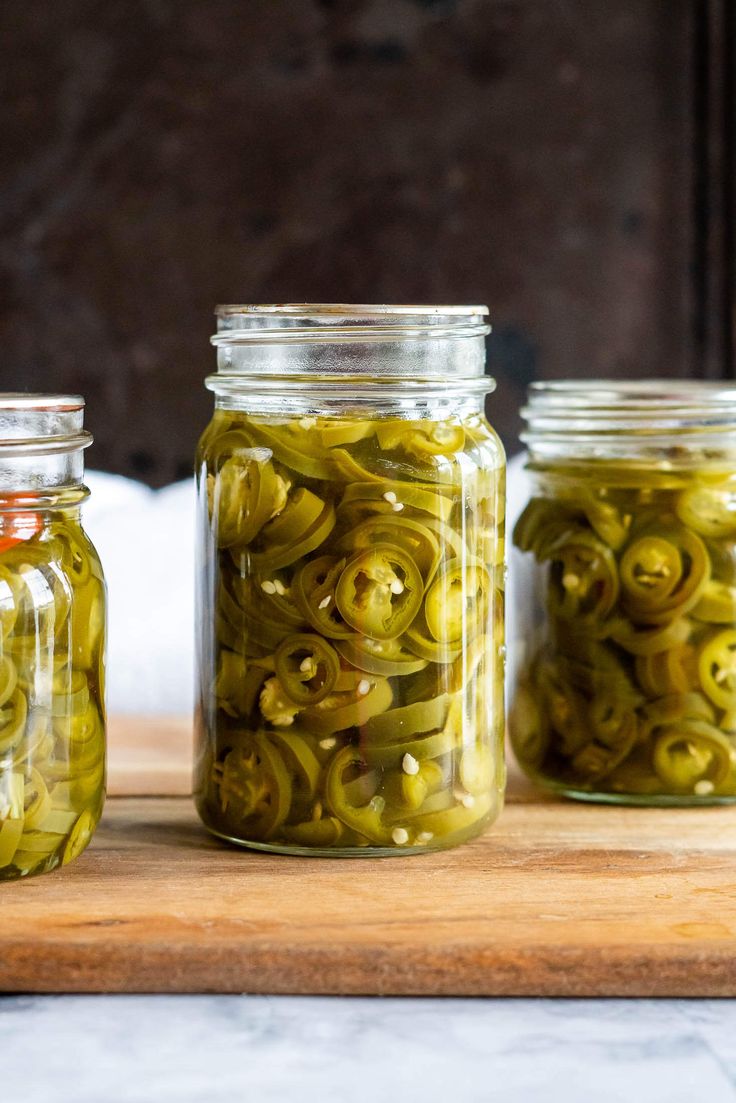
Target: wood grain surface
[{"x": 558, "y": 899}]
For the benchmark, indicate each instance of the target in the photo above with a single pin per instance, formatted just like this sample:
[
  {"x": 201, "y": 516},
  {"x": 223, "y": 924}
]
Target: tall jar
[
  {"x": 52, "y": 639},
  {"x": 626, "y": 631},
  {"x": 350, "y": 601}
]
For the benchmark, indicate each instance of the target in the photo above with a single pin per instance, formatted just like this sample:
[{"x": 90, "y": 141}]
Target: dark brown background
[{"x": 567, "y": 161}]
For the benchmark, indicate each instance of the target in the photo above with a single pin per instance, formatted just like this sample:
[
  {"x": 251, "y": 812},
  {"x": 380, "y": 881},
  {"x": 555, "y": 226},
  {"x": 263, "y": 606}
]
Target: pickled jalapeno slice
[
  {"x": 350, "y": 574},
  {"x": 636, "y": 650}
]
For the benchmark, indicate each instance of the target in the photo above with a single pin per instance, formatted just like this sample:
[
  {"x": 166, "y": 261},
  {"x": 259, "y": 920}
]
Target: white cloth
[{"x": 145, "y": 539}]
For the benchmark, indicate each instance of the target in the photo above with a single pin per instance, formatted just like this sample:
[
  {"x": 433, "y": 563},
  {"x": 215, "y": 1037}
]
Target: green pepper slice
[
  {"x": 13, "y": 716},
  {"x": 667, "y": 711},
  {"x": 325, "y": 832},
  {"x": 708, "y": 511},
  {"x": 416, "y": 539},
  {"x": 717, "y": 604},
  {"x": 350, "y": 709},
  {"x": 307, "y": 667},
  {"x": 397, "y": 496},
  {"x": 456, "y": 601},
  {"x": 538, "y": 517},
  {"x": 396, "y": 725},
  {"x": 584, "y": 581},
  {"x": 716, "y": 667},
  {"x": 663, "y": 574},
  {"x": 407, "y": 793},
  {"x": 671, "y": 671},
  {"x": 334, "y": 433},
  {"x": 419, "y": 641},
  {"x": 314, "y": 593},
  {"x": 298, "y": 752},
  {"x": 379, "y": 591},
  {"x": 291, "y": 445},
  {"x": 423, "y": 747},
  {"x": 421, "y": 438},
  {"x": 238, "y": 684},
  {"x": 692, "y": 752},
  {"x": 366, "y": 819},
  {"x": 607, "y": 750},
  {"x": 385, "y": 657},
  {"x": 451, "y": 821},
  {"x": 244, "y": 494},
  {"x": 648, "y": 641},
  {"x": 304, "y": 524},
  {"x": 254, "y": 785}
]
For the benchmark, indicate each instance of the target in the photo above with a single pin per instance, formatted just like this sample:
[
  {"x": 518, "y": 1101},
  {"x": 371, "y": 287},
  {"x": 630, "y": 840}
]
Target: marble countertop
[{"x": 204, "y": 1049}]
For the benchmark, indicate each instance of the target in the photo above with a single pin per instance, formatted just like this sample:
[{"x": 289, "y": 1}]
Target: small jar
[
  {"x": 625, "y": 686},
  {"x": 350, "y": 604},
  {"x": 52, "y": 639}
]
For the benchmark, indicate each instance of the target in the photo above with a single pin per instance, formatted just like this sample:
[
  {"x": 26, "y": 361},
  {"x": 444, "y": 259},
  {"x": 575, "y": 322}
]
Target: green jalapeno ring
[
  {"x": 413, "y": 537},
  {"x": 647, "y": 640},
  {"x": 717, "y": 668},
  {"x": 425, "y": 498},
  {"x": 663, "y": 574},
  {"x": 692, "y": 751},
  {"x": 392, "y": 726},
  {"x": 667, "y": 711},
  {"x": 307, "y": 667},
  {"x": 584, "y": 581},
  {"x": 314, "y": 593},
  {"x": 254, "y": 785},
  {"x": 366, "y": 819},
  {"x": 379, "y": 591},
  {"x": 708, "y": 511},
  {"x": 456, "y": 601},
  {"x": 244, "y": 494},
  {"x": 274, "y": 557},
  {"x": 600, "y": 757},
  {"x": 717, "y": 604},
  {"x": 350, "y": 709},
  {"x": 671, "y": 671},
  {"x": 385, "y": 657}
]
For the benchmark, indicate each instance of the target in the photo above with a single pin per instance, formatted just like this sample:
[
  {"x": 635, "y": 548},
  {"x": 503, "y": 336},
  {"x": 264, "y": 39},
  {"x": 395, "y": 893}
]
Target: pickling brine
[
  {"x": 52, "y": 640},
  {"x": 350, "y": 628},
  {"x": 627, "y": 680}
]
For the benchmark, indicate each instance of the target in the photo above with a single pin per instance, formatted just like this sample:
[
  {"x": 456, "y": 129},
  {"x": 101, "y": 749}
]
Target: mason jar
[
  {"x": 52, "y": 639},
  {"x": 625, "y": 638},
  {"x": 350, "y": 581}
]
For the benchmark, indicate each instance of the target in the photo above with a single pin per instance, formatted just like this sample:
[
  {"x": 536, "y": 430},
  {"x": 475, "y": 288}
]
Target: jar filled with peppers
[
  {"x": 625, "y": 687},
  {"x": 350, "y": 582},
  {"x": 52, "y": 639}
]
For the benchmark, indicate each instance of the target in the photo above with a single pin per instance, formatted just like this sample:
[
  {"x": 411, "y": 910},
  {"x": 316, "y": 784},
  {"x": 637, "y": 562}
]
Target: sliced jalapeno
[
  {"x": 379, "y": 592},
  {"x": 307, "y": 667}
]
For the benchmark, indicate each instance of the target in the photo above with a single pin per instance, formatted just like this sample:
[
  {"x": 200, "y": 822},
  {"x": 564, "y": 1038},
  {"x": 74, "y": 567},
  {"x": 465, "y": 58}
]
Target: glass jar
[
  {"x": 52, "y": 632},
  {"x": 350, "y": 602},
  {"x": 625, "y": 686}
]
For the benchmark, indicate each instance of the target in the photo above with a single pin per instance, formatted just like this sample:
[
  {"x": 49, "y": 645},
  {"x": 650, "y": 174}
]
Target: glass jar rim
[
  {"x": 339, "y": 343},
  {"x": 306, "y": 323},
  {"x": 573, "y": 410},
  {"x": 41, "y": 424}
]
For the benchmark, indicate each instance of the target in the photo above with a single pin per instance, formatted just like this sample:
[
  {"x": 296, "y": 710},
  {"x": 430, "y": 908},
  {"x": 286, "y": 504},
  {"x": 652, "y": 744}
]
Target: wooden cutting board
[{"x": 559, "y": 899}]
